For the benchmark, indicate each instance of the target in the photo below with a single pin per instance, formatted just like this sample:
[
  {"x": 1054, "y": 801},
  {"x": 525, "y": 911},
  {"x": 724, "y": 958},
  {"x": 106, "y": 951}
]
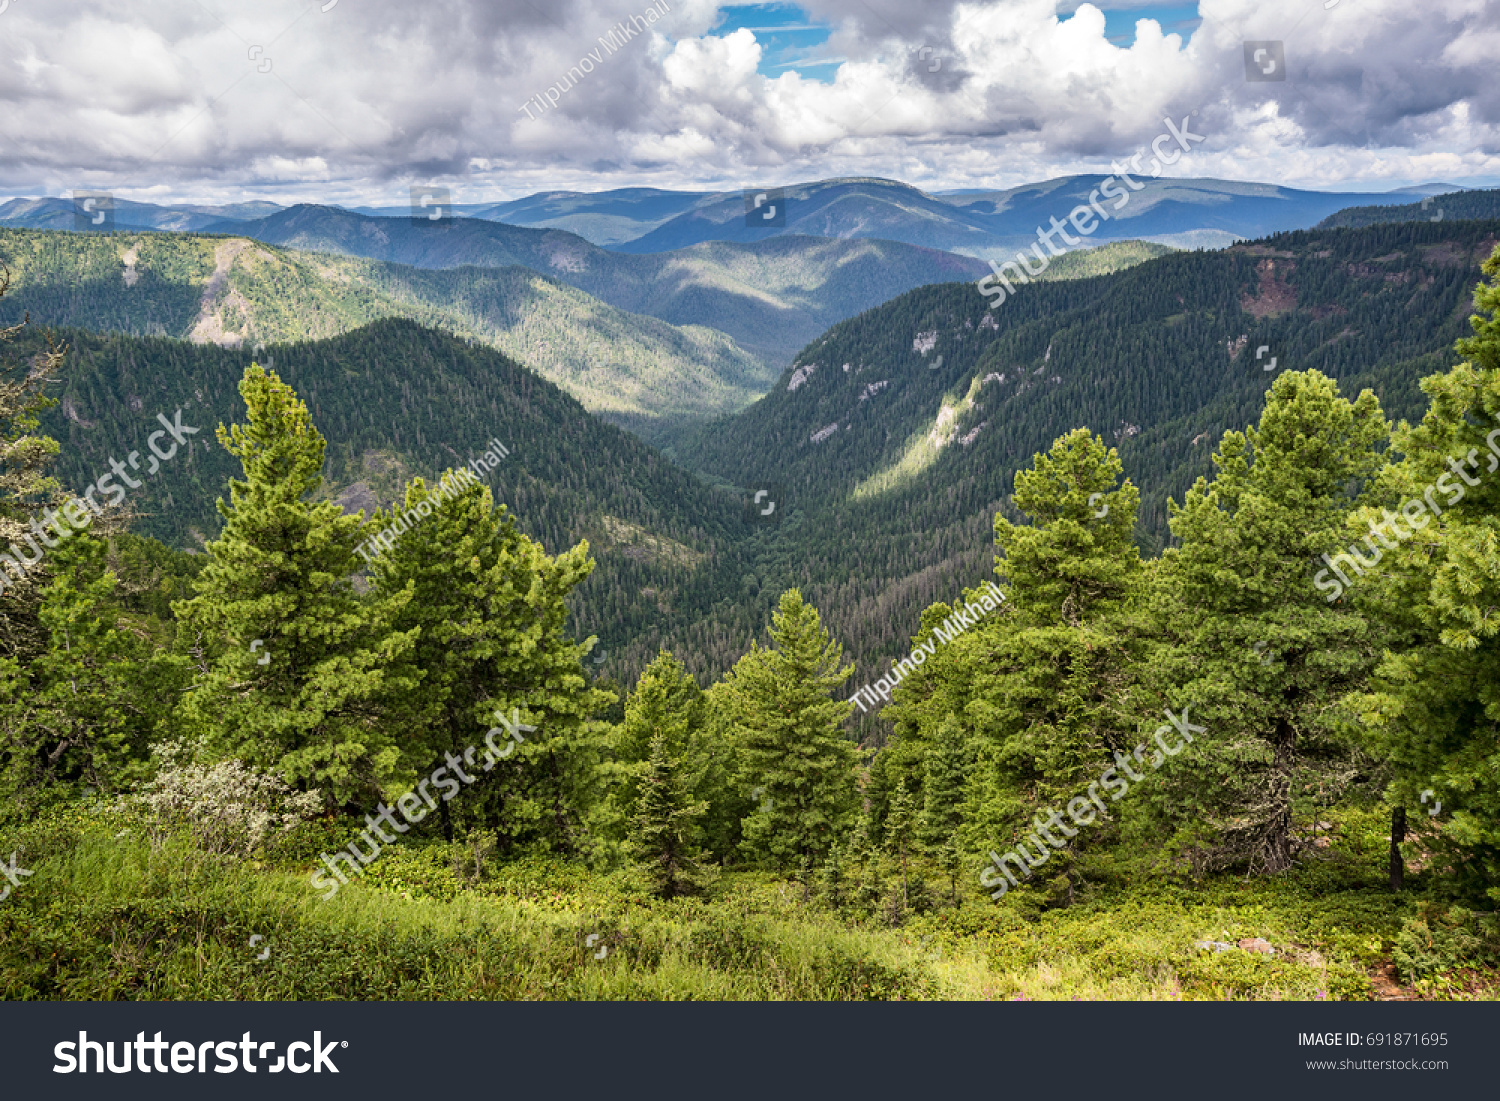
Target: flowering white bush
[{"x": 227, "y": 807}]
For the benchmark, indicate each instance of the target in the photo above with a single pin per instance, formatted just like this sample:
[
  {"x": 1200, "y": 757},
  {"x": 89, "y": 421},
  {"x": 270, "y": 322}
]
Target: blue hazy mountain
[{"x": 1180, "y": 212}]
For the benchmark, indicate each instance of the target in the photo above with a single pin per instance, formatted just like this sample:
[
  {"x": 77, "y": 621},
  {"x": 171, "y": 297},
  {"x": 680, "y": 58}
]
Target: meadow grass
[{"x": 111, "y": 914}]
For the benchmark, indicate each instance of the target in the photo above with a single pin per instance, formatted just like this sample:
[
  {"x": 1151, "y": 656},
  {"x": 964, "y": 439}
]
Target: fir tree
[{"x": 666, "y": 703}]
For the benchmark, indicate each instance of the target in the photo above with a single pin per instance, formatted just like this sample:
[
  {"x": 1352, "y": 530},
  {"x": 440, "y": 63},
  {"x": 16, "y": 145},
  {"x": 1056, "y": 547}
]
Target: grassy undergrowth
[{"x": 108, "y": 915}]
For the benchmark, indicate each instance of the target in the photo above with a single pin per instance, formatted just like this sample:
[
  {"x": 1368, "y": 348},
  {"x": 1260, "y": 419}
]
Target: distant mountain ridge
[
  {"x": 54, "y": 213},
  {"x": 772, "y": 297},
  {"x": 1182, "y": 212},
  {"x": 986, "y": 223},
  {"x": 607, "y": 218}
]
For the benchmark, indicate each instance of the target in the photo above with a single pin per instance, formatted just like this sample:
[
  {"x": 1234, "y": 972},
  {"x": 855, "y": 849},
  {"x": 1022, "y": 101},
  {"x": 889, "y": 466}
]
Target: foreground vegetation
[
  {"x": 109, "y": 914},
  {"x": 175, "y": 762}
]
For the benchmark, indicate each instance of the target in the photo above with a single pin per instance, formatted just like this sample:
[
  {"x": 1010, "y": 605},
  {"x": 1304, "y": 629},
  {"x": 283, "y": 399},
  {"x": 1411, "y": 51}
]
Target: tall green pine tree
[
  {"x": 1433, "y": 715},
  {"x": 311, "y": 701},
  {"x": 1255, "y": 653}
]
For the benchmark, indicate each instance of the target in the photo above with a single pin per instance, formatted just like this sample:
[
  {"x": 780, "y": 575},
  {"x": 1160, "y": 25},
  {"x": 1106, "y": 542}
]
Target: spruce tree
[
  {"x": 310, "y": 699},
  {"x": 945, "y": 767},
  {"x": 667, "y": 702},
  {"x": 664, "y": 825},
  {"x": 790, "y": 742},
  {"x": 864, "y": 854},
  {"x": 715, "y": 761},
  {"x": 901, "y": 832}
]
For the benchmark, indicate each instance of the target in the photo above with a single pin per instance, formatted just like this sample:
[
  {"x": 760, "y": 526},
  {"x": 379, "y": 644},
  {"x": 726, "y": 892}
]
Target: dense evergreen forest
[
  {"x": 193, "y": 747},
  {"x": 895, "y": 438},
  {"x": 639, "y": 371},
  {"x": 1462, "y": 205}
]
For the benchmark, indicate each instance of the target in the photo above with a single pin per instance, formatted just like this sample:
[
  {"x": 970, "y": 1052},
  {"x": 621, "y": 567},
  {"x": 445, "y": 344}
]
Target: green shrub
[{"x": 1436, "y": 941}]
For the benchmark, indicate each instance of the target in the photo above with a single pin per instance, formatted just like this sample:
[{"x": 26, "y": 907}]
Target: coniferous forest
[
  {"x": 771, "y": 505},
  {"x": 581, "y": 726}
]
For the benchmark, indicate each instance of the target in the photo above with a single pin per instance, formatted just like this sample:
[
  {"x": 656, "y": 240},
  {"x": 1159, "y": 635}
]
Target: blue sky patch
[
  {"x": 1119, "y": 23},
  {"x": 789, "y": 40}
]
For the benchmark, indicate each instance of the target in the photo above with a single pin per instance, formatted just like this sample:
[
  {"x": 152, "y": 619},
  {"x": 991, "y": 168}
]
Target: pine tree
[
  {"x": 664, "y": 824},
  {"x": 1433, "y": 715},
  {"x": 309, "y": 701},
  {"x": 487, "y": 607},
  {"x": 1059, "y": 703},
  {"x": 1257, "y": 655},
  {"x": 1047, "y": 681},
  {"x": 791, "y": 744},
  {"x": 84, "y": 711}
]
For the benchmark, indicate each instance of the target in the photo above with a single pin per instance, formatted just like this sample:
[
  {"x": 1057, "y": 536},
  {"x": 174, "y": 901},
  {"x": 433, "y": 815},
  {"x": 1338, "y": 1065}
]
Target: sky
[{"x": 355, "y": 101}]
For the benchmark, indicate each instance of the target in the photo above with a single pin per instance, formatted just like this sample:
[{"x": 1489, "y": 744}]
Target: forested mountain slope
[
  {"x": 771, "y": 296},
  {"x": 637, "y": 371},
  {"x": 895, "y": 438},
  {"x": 1158, "y": 354},
  {"x": 1463, "y": 205},
  {"x": 397, "y": 400}
]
